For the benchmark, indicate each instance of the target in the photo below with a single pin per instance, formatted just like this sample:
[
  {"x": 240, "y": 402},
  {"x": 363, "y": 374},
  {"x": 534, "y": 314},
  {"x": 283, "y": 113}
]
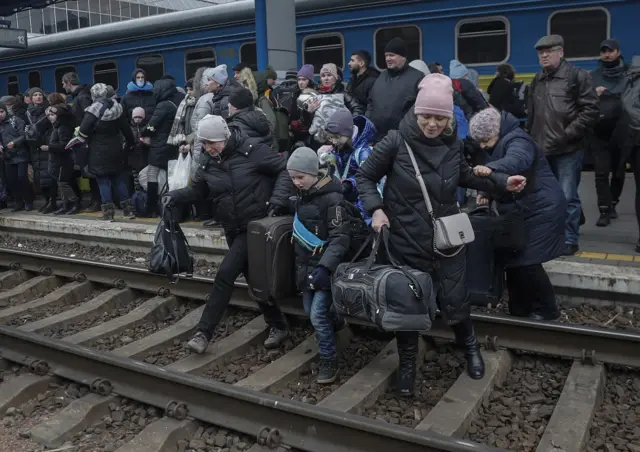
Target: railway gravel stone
[
  {"x": 360, "y": 352},
  {"x": 69, "y": 330},
  {"x": 235, "y": 320},
  {"x": 518, "y": 410},
  {"x": 256, "y": 358},
  {"x": 439, "y": 371},
  {"x": 34, "y": 315},
  {"x": 616, "y": 425},
  {"x": 131, "y": 335},
  {"x": 214, "y": 439}
]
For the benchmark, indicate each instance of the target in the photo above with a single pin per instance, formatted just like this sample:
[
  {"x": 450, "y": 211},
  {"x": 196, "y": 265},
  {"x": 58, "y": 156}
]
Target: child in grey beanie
[{"x": 304, "y": 160}]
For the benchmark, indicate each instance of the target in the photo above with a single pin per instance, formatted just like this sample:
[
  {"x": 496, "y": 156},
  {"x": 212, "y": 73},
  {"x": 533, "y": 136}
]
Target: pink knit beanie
[
  {"x": 331, "y": 69},
  {"x": 435, "y": 96}
]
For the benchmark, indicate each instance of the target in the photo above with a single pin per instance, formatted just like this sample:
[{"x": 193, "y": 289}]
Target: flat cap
[{"x": 550, "y": 41}]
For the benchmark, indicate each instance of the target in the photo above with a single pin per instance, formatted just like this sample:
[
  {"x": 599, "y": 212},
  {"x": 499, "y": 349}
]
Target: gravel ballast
[
  {"x": 616, "y": 424},
  {"x": 256, "y": 358},
  {"x": 360, "y": 352},
  {"x": 440, "y": 369},
  {"x": 517, "y": 411},
  {"x": 235, "y": 320}
]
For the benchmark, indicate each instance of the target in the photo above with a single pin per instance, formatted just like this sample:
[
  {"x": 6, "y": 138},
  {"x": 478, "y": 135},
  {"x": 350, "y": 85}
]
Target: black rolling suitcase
[
  {"x": 485, "y": 273},
  {"x": 271, "y": 259}
]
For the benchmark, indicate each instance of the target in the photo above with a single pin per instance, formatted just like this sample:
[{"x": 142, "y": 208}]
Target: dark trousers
[
  {"x": 235, "y": 262},
  {"x": 530, "y": 291},
  {"x": 609, "y": 173},
  {"x": 18, "y": 181}
]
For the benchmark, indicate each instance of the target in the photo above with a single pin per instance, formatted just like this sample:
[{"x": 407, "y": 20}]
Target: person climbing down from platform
[
  {"x": 321, "y": 234},
  {"x": 350, "y": 140},
  {"x": 261, "y": 187}
]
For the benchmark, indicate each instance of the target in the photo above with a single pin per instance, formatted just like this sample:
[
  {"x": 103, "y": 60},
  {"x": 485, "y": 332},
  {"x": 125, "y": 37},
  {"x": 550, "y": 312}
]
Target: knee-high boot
[
  {"x": 407, "y": 354},
  {"x": 466, "y": 337}
]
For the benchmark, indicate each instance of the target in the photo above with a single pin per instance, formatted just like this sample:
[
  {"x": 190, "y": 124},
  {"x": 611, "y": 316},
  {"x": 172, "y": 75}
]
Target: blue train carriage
[{"x": 480, "y": 34}]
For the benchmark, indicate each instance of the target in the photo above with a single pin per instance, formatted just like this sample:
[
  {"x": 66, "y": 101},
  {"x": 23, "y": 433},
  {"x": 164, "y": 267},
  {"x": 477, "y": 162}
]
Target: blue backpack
[{"x": 461, "y": 122}]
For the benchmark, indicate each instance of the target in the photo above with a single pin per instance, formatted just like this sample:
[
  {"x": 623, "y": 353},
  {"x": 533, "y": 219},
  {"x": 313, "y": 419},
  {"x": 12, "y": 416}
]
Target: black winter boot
[
  {"x": 64, "y": 208},
  {"x": 75, "y": 208},
  {"x": 605, "y": 217},
  {"x": 108, "y": 211},
  {"x": 51, "y": 206},
  {"x": 466, "y": 337},
  {"x": 127, "y": 209},
  {"x": 152, "y": 199},
  {"x": 407, "y": 354}
]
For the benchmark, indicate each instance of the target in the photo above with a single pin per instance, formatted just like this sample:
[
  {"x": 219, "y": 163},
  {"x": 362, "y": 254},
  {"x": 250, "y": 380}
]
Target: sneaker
[
  {"x": 613, "y": 213},
  {"x": 276, "y": 337},
  {"x": 198, "y": 343},
  {"x": 572, "y": 250},
  {"x": 328, "y": 371}
]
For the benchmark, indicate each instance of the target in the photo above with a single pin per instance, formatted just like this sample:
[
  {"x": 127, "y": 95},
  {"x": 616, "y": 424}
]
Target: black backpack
[{"x": 170, "y": 254}]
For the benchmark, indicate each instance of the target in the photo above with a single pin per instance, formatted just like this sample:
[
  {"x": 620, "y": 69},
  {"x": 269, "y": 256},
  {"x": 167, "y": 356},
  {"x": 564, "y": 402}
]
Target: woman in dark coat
[
  {"x": 510, "y": 150},
  {"x": 156, "y": 135},
  {"x": 503, "y": 92},
  {"x": 39, "y": 133},
  {"x": 103, "y": 125},
  {"x": 15, "y": 153},
  {"x": 429, "y": 131}
]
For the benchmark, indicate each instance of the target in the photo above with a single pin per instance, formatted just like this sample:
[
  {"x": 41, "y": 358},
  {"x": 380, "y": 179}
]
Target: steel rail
[
  {"x": 572, "y": 341},
  {"x": 303, "y": 426}
]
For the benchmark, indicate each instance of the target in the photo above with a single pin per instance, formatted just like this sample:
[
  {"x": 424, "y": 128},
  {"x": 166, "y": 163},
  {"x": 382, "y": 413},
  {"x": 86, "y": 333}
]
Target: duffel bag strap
[{"x": 414, "y": 285}]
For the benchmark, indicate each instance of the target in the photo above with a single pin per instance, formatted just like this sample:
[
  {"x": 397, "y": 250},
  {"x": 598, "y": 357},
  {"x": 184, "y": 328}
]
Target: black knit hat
[
  {"x": 397, "y": 46},
  {"x": 240, "y": 66},
  {"x": 241, "y": 98}
]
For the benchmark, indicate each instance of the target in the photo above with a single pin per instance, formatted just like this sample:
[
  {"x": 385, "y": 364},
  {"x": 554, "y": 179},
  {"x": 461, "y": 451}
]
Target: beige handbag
[{"x": 449, "y": 233}]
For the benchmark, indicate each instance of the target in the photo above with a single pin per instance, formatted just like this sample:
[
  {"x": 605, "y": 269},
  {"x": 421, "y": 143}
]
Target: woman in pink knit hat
[{"x": 429, "y": 131}]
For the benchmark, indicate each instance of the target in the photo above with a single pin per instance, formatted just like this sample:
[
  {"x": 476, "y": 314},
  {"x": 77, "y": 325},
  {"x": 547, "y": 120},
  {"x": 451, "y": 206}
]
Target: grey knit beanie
[
  {"x": 340, "y": 123},
  {"x": 218, "y": 73},
  {"x": 485, "y": 124},
  {"x": 304, "y": 160},
  {"x": 213, "y": 128},
  {"x": 99, "y": 91}
]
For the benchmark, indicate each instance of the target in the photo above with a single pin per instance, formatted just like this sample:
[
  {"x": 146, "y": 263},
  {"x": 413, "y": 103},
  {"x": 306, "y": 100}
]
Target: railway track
[{"x": 120, "y": 331}]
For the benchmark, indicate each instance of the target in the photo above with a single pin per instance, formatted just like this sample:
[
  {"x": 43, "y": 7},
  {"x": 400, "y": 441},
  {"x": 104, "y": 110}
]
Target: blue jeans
[
  {"x": 568, "y": 169},
  {"x": 106, "y": 182},
  {"x": 324, "y": 318}
]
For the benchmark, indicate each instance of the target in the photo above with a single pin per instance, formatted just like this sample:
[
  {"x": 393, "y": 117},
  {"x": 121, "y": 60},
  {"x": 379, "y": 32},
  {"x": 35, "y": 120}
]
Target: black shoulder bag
[{"x": 170, "y": 254}]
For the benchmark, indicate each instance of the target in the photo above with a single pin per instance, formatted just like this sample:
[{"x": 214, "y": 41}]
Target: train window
[
  {"x": 35, "y": 81},
  {"x": 106, "y": 72},
  {"x": 153, "y": 65},
  {"x": 249, "y": 55},
  {"x": 321, "y": 49},
  {"x": 194, "y": 59},
  {"x": 582, "y": 29},
  {"x": 411, "y": 34},
  {"x": 482, "y": 41},
  {"x": 59, "y": 73},
  {"x": 13, "y": 85}
]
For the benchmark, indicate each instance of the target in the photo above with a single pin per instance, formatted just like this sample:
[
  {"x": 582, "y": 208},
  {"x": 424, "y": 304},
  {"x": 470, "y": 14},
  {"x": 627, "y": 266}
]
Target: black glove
[
  {"x": 347, "y": 188},
  {"x": 166, "y": 200},
  {"x": 319, "y": 279},
  {"x": 276, "y": 211}
]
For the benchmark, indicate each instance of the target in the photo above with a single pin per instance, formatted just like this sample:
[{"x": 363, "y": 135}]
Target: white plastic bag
[
  {"x": 162, "y": 179},
  {"x": 179, "y": 171}
]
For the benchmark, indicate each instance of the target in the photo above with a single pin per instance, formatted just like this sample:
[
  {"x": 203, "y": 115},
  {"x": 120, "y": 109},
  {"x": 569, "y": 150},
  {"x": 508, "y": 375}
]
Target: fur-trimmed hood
[{"x": 247, "y": 80}]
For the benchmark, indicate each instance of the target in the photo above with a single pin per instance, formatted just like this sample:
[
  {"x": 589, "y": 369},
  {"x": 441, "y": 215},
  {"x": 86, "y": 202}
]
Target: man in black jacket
[
  {"x": 247, "y": 182},
  {"x": 609, "y": 135},
  {"x": 244, "y": 119},
  {"x": 363, "y": 76},
  {"x": 394, "y": 91}
]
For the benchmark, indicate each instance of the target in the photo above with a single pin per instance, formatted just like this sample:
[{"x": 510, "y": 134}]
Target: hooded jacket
[
  {"x": 137, "y": 96},
  {"x": 104, "y": 125},
  {"x": 241, "y": 182},
  {"x": 443, "y": 168},
  {"x": 253, "y": 125},
  {"x": 319, "y": 210},
  {"x": 160, "y": 124}
]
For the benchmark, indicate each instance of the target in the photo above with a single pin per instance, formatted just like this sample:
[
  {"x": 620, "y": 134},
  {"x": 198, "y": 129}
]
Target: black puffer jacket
[
  {"x": 360, "y": 85},
  {"x": 12, "y": 130},
  {"x": 443, "y": 168},
  {"x": 253, "y": 125},
  {"x": 104, "y": 124},
  {"x": 160, "y": 124},
  {"x": 61, "y": 159},
  {"x": 319, "y": 211},
  {"x": 391, "y": 97},
  {"x": 36, "y": 114},
  {"x": 81, "y": 101},
  {"x": 242, "y": 182}
]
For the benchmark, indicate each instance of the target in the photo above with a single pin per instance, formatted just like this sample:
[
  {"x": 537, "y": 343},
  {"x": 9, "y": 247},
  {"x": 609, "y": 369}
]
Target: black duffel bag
[
  {"x": 170, "y": 254},
  {"x": 392, "y": 296}
]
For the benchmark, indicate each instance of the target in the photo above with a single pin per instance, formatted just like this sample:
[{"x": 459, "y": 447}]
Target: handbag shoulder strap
[{"x": 423, "y": 186}]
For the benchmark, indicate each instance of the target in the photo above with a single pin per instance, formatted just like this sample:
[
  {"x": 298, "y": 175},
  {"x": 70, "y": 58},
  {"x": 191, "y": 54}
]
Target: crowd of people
[{"x": 340, "y": 156}]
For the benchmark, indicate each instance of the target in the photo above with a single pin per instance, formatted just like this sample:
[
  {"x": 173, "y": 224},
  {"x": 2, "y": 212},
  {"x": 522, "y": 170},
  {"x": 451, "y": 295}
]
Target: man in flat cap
[
  {"x": 609, "y": 136},
  {"x": 563, "y": 106}
]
